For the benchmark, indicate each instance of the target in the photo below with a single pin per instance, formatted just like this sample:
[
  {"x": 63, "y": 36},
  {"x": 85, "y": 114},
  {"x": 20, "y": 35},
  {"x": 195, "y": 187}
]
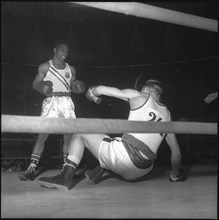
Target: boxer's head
[
  {"x": 153, "y": 87},
  {"x": 61, "y": 49}
]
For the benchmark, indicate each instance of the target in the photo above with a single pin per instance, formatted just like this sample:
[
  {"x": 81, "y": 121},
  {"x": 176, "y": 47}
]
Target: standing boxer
[
  {"x": 55, "y": 79},
  {"x": 132, "y": 155}
]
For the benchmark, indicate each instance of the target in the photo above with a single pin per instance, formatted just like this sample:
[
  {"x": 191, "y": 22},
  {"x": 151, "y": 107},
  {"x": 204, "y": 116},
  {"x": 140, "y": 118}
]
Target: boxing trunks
[
  {"x": 121, "y": 156},
  {"x": 58, "y": 106},
  {"x": 135, "y": 148}
]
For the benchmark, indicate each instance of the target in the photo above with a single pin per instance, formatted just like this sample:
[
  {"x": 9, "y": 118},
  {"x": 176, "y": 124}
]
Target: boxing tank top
[
  {"x": 59, "y": 77},
  {"x": 150, "y": 111}
]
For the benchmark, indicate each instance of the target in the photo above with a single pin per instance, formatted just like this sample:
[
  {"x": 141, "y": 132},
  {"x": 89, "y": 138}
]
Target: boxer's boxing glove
[
  {"x": 45, "y": 88},
  {"x": 92, "y": 97},
  {"x": 78, "y": 87}
]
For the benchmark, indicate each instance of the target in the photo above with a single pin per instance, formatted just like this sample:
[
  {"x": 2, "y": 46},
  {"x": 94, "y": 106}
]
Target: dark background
[{"x": 110, "y": 49}]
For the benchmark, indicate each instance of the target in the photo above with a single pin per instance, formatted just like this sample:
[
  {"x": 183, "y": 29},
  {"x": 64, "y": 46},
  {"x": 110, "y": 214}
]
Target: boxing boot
[
  {"x": 95, "y": 174},
  {"x": 179, "y": 178},
  {"x": 63, "y": 181},
  {"x": 32, "y": 172}
]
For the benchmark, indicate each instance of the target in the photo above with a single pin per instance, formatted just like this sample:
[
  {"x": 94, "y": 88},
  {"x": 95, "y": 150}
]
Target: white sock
[{"x": 74, "y": 159}]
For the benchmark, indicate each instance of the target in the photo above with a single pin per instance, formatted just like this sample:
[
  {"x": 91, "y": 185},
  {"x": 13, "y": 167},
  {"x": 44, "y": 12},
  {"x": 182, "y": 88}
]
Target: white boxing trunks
[
  {"x": 113, "y": 156},
  {"x": 58, "y": 107}
]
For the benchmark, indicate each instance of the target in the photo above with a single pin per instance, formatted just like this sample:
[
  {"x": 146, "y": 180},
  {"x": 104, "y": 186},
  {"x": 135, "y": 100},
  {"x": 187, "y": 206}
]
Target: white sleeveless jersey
[
  {"x": 150, "y": 111},
  {"x": 60, "y": 78}
]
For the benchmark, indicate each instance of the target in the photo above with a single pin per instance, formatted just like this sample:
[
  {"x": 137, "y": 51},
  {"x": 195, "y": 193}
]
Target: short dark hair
[
  {"x": 60, "y": 42},
  {"x": 155, "y": 85}
]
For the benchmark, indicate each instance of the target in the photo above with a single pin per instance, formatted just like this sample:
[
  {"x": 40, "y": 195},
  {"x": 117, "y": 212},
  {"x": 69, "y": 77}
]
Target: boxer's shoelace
[
  {"x": 31, "y": 168},
  {"x": 63, "y": 166}
]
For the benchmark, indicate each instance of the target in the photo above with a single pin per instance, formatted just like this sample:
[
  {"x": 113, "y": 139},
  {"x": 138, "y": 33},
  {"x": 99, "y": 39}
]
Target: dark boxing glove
[
  {"x": 179, "y": 178},
  {"x": 78, "y": 87},
  {"x": 45, "y": 87},
  {"x": 92, "y": 97}
]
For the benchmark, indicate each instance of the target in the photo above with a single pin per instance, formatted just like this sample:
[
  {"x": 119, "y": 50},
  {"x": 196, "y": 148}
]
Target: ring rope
[
  {"x": 35, "y": 124},
  {"x": 156, "y": 13}
]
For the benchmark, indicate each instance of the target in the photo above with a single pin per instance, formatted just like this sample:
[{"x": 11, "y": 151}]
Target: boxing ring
[{"x": 152, "y": 196}]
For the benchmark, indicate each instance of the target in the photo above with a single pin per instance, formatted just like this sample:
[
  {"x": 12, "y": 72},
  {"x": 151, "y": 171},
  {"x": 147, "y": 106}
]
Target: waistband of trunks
[
  {"x": 136, "y": 157},
  {"x": 61, "y": 94},
  {"x": 130, "y": 139},
  {"x": 107, "y": 139},
  {"x": 138, "y": 160}
]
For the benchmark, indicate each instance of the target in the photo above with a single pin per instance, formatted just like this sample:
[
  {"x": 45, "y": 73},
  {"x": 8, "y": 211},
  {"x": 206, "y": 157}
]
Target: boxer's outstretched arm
[{"x": 124, "y": 94}]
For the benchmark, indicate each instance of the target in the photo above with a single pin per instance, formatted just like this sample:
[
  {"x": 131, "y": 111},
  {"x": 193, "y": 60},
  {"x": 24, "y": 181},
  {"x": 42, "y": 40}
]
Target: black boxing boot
[
  {"x": 29, "y": 174},
  {"x": 94, "y": 175},
  {"x": 32, "y": 172},
  {"x": 64, "y": 180},
  {"x": 179, "y": 178}
]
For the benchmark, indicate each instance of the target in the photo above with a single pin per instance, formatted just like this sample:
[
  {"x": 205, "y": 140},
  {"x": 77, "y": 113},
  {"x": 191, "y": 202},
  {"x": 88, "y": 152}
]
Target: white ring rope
[
  {"x": 156, "y": 13},
  {"x": 30, "y": 124}
]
